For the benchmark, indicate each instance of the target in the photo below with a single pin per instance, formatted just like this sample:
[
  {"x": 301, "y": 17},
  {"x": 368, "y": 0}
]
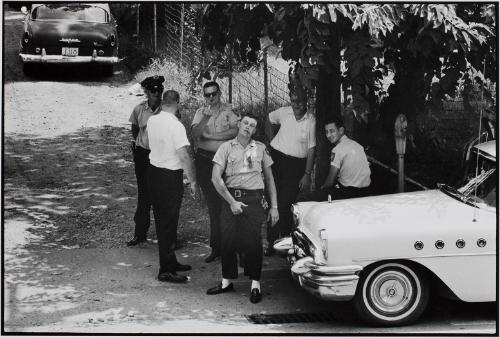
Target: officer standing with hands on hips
[
  {"x": 153, "y": 88},
  {"x": 242, "y": 161}
]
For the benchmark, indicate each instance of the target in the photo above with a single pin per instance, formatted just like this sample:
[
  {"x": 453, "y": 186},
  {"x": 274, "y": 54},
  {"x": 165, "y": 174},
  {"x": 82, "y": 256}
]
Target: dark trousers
[
  {"x": 242, "y": 233},
  {"x": 204, "y": 165},
  {"x": 142, "y": 212},
  {"x": 337, "y": 192},
  {"x": 166, "y": 189},
  {"x": 287, "y": 172}
]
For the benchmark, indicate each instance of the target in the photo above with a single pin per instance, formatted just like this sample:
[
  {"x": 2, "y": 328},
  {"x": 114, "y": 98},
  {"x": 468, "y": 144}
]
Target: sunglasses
[{"x": 212, "y": 94}]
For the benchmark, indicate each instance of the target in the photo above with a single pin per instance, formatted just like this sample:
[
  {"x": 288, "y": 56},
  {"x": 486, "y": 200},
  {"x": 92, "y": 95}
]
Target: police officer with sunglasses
[{"x": 212, "y": 125}]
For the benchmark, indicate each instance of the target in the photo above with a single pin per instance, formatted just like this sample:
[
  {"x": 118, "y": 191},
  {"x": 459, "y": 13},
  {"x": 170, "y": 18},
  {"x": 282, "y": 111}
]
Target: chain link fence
[{"x": 170, "y": 30}]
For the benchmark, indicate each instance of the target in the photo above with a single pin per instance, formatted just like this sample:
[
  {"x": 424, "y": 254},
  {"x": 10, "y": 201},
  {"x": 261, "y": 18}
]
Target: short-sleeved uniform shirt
[
  {"x": 350, "y": 158},
  {"x": 243, "y": 166},
  {"x": 294, "y": 138},
  {"x": 220, "y": 121},
  {"x": 166, "y": 135},
  {"x": 140, "y": 116}
]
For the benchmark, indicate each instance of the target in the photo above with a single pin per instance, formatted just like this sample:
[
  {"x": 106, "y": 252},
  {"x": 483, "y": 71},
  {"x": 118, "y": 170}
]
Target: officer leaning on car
[
  {"x": 153, "y": 88},
  {"x": 349, "y": 174}
]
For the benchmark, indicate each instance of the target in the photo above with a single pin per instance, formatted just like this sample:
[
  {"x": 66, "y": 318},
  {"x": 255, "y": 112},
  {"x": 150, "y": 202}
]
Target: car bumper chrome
[
  {"x": 337, "y": 283},
  {"x": 32, "y": 58}
]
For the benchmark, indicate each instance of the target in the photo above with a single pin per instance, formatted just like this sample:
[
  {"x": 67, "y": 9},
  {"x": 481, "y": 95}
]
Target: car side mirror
[{"x": 24, "y": 10}]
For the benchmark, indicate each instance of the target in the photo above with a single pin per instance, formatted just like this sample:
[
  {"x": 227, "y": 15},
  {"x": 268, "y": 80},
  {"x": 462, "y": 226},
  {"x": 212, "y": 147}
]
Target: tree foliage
[{"x": 429, "y": 49}]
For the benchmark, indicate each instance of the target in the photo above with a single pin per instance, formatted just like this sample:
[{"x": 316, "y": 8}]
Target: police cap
[{"x": 153, "y": 83}]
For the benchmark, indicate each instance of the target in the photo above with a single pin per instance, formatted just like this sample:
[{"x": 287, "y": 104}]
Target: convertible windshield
[
  {"x": 480, "y": 186},
  {"x": 70, "y": 12}
]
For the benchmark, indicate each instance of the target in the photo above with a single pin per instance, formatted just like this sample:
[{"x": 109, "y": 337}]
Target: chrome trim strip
[{"x": 426, "y": 256}]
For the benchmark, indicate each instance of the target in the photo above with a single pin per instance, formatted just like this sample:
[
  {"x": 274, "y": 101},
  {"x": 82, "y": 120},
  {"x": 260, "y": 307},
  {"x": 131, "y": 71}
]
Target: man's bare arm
[
  {"x": 221, "y": 136},
  {"x": 331, "y": 178},
  {"x": 187, "y": 163},
  {"x": 219, "y": 184},
  {"x": 197, "y": 129}
]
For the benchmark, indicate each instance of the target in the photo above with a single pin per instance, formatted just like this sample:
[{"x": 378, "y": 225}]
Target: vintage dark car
[{"x": 62, "y": 33}]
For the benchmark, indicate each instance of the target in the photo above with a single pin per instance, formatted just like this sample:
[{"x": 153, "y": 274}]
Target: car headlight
[
  {"x": 295, "y": 215},
  {"x": 323, "y": 235}
]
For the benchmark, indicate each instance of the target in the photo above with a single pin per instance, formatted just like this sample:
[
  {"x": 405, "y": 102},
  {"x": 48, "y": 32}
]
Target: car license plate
[{"x": 69, "y": 51}]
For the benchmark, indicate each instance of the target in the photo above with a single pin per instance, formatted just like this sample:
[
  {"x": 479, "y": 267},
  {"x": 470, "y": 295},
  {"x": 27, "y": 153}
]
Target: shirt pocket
[{"x": 232, "y": 161}]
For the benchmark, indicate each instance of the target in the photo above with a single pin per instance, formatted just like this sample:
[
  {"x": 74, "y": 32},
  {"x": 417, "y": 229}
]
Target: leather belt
[{"x": 245, "y": 193}]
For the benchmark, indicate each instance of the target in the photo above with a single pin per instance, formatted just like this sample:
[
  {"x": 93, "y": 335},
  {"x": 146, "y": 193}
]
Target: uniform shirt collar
[{"x": 234, "y": 142}]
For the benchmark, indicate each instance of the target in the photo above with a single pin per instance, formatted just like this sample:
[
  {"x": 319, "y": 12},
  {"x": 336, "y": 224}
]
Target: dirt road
[{"x": 69, "y": 197}]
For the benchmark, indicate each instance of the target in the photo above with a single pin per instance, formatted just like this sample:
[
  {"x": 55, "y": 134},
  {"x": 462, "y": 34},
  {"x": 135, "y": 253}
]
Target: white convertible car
[{"x": 389, "y": 253}]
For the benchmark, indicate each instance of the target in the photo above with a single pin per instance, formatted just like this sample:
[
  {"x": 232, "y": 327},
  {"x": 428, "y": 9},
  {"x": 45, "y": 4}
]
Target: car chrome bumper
[
  {"x": 32, "y": 58},
  {"x": 337, "y": 283}
]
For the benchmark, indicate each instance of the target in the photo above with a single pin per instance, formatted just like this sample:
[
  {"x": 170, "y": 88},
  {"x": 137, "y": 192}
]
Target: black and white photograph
[{"x": 250, "y": 168}]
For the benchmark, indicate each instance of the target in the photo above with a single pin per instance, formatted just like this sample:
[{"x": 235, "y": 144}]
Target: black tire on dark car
[
  {"x": 107, "y": 70},
  {"x": 29, "y": 69},
  {"x": 391, "y": 294}
]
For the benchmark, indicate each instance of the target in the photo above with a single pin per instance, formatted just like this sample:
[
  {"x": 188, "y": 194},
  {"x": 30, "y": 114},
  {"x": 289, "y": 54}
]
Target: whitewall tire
[{"x": 391, "y": 294}]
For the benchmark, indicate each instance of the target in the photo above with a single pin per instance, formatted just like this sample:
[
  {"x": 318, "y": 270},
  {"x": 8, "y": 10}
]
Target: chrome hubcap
[{"x": 391, "y": 292}]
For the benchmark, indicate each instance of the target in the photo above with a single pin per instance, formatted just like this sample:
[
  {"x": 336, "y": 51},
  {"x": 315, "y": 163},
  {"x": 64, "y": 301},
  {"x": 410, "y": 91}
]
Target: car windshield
[
  {"x": 479, "y": 187},
  {"x": 70, "y": 12}
]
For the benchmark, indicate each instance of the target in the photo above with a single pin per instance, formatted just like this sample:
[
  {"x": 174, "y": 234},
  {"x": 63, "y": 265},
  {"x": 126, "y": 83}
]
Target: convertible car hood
[{"x": 49, "y": 33}]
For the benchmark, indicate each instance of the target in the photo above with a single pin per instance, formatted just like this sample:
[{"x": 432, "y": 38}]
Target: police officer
[
  {"x": 242, "y": 161},
  {"x": 212, "y": 125},
  {"x": 153, "y": 88},
  {"x": 292, "y": 150},
  {"x": 349, "y": 174}
]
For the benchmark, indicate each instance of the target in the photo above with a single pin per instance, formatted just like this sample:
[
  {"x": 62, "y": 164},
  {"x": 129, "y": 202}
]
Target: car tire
[
  {"x": 107, "y": 70},
  {"x": 29, "y": 69},
  {"x": 391, "y": 294}
]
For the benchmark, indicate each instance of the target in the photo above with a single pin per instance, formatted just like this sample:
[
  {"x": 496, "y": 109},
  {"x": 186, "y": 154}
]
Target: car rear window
[{"x": 70, "y": 12}]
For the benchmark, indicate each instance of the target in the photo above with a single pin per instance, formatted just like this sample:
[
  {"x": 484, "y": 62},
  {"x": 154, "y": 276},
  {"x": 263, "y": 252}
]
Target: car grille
[{"x": 301, "y": 244}]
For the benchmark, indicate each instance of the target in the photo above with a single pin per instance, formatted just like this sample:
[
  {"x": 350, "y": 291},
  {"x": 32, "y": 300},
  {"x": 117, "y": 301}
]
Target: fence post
[
  {"x": 230, "y": 86},
  {"x": 154, "y": 27},
  {"x": 182, "y": 33},
  {"x": 266, "y": 89},
  {"x": 137, "y": 23}
]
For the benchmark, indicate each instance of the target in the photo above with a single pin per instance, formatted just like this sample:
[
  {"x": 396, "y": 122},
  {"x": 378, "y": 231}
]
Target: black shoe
[
  {"x": 219, "y": 289},
  {"x": 182, "y": 267},
  {"x": 255, "y": 295},
  {"x": 212, "y": 257},
  {"x": 269, "y": 251},
  {"x": 172, "y": 277},
  {"x": 136, "y": 240}
]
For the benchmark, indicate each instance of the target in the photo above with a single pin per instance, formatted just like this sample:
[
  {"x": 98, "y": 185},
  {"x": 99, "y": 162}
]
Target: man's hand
[
  {"x": 305, "y": 182},
  {"x": 237, "y": 207},
  {"x": 273, "y": 216},
  {"x": 195, "y": 190}
]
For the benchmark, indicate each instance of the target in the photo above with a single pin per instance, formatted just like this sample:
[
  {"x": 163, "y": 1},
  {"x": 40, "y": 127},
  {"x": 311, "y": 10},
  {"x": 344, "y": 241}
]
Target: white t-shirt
[
  {"x": 166, "y": 135},
  {"x": 294, "y": 137}
]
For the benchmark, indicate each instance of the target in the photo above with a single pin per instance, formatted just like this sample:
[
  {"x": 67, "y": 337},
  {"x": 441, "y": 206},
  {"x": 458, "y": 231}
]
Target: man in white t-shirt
[
  {"x": 292, "y": 150},
  {"x": 169, "y": 158}
]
